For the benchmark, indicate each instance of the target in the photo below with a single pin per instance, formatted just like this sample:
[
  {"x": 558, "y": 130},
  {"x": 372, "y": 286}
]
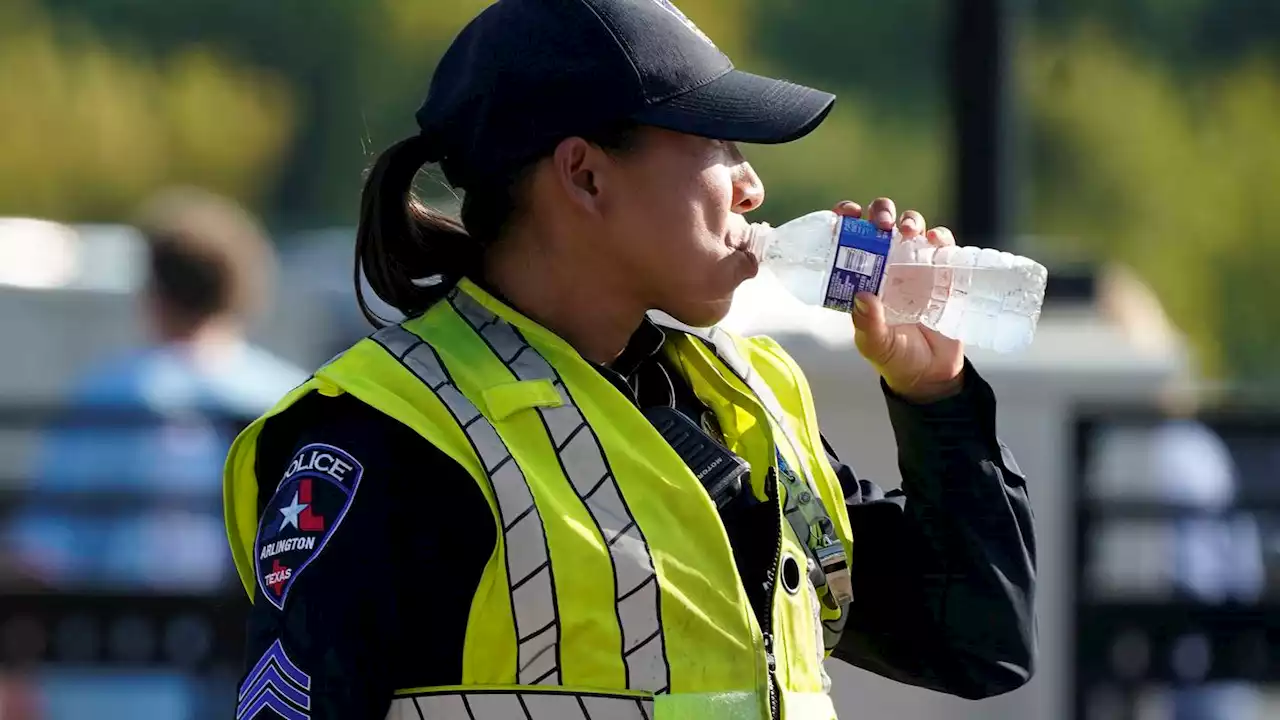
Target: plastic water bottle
[{"x": 984, "y": 298}]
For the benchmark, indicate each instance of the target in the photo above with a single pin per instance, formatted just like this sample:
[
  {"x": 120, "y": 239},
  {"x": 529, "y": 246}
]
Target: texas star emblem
[{"x": 306, "y": 509}]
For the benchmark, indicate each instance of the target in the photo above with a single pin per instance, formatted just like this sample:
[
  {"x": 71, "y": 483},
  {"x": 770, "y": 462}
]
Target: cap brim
[{"x": 742, "y": 107}]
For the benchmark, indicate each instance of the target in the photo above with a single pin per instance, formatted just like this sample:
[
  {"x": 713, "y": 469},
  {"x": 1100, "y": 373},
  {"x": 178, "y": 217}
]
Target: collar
[{"x": 644, "y": 344}]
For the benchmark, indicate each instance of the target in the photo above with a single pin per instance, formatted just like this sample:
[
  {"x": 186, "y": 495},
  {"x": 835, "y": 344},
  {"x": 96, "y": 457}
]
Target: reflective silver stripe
[
  {"x": 533, "y": 600},
  {"x": 482, "y": 705},
  {"x": 584, "y": 463}
]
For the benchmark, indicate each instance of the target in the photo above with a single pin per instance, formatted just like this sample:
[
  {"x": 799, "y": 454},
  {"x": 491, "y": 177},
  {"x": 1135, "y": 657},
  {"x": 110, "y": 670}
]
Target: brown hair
[
  {"x": 207, "y": 256},
  {"x": 401, "y": 241}
]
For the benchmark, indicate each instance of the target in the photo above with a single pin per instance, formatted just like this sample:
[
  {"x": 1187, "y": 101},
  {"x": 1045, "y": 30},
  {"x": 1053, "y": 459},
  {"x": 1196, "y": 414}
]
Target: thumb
[{"x": 872, "y": 333}]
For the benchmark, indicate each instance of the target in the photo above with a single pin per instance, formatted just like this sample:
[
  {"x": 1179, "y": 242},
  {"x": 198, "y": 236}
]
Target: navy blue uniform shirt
[{"x": 943, "y": 570}]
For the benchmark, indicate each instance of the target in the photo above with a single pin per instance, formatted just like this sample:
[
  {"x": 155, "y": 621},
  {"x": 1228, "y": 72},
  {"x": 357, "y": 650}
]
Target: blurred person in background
[
  {"x": 1215, "y": 556},
  {"x": 134, "y": 505},
  {"x": 209, "y": 273},
  {"x": 1218, "y": 553}
]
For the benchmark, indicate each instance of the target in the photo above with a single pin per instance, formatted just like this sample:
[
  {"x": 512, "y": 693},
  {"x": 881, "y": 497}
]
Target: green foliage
[
  {"x": 856, "y": 156},
  {"x": 91, "y": 128},
  {"x": 888, "y": 135},
  {"x": 357, "y": 71},
  {"x": 888, "y": 55},
  {"x": 1173, "y": 178},
  {"x": 1190, "y": 37},
  {"x": 1150, "y": 124}
]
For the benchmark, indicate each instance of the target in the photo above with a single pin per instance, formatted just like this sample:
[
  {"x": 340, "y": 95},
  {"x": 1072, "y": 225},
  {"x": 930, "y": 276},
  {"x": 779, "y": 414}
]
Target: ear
[{"x": 580, "y": 169}]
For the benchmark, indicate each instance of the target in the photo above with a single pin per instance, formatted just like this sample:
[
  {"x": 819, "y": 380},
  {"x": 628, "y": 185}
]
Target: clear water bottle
[{"x": 984, "y": 298}]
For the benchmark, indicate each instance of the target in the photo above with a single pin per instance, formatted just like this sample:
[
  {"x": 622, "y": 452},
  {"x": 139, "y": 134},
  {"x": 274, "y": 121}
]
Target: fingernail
[
  {"x": 884, "y": 219},
  {"x": 909, "y": 225},
  {"x": 860, "y": 305}
]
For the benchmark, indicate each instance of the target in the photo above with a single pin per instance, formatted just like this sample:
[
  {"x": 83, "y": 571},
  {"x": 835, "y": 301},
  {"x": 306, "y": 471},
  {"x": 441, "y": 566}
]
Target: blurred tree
[
  {"x": 1244, "y": 147},
  {"x": 327, "y": 50},
  {"x": 1189, "y": 37},
  {"x": 888, "y": 134},
  {"x": 1169, "y": 176},
  {"x": 1137, "y": 124},
  {"x": 855, "y": 156},
  {"x": 888, "y": 55},
  {"x": 359, "y": 70},
  {"x": 90, "y": 128}
]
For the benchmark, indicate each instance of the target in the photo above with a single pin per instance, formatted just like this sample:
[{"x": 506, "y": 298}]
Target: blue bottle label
[{"x": 862, "y": 253}]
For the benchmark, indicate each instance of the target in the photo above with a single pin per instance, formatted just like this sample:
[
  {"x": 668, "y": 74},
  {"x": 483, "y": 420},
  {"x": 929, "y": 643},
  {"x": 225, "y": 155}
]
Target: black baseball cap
[{"x": 526, "y": 74}]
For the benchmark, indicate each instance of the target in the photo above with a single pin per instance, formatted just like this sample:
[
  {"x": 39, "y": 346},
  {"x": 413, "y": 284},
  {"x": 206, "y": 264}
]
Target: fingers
[
  {"x": 872, "y": 334},
  {"x": 848, "y": 208},
  {"x": 912, "y": 224},
  {"x": 882, "y": 213},
  {"x": 940, "y": 237}
]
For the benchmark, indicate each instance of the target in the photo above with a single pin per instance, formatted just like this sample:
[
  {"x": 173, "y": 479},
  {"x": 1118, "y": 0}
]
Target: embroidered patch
[
  {"x": 275, "y": 684},
  {"x": 306, "y": 509}
]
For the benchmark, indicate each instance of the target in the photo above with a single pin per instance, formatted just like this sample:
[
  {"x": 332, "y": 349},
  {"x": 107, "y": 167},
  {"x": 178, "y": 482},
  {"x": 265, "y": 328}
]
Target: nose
[{"x": 748, "y": 189}]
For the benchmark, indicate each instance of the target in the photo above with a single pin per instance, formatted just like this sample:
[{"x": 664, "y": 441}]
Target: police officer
[{"x": 529, "y": 500}]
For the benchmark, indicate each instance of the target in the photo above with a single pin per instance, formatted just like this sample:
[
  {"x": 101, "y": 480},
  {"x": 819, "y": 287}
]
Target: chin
[{"x": 704, "y": 314}]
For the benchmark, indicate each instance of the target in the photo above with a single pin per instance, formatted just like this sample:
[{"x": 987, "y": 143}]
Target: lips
[
  {"x": 741, "y": 240},
  {"x": 741, "y": 245}
]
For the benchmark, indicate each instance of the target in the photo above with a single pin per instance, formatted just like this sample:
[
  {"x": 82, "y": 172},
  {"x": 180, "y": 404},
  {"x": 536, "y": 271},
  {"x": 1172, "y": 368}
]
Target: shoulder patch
[{"x": 312, "y": 499}]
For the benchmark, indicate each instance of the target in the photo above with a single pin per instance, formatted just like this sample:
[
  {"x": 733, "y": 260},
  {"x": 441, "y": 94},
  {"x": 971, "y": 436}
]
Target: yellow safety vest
[{"x": 612, "y": 592}]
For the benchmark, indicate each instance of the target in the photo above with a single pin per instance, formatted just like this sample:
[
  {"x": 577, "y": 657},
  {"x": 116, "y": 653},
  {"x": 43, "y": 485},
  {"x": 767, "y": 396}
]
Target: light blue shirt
[{"x": 173, "y": 467}]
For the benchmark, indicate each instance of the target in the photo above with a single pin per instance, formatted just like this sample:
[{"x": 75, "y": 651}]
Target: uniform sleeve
[
  {"x": 329, "y": 633},
  {"x": 943, "y": 570}
]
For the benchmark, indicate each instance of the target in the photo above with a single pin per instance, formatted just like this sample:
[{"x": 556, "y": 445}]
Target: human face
[{"x": 678, "y": 228}]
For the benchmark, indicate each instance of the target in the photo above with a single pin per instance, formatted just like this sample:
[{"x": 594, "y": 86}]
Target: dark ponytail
[{"x": 402, "y": 242}]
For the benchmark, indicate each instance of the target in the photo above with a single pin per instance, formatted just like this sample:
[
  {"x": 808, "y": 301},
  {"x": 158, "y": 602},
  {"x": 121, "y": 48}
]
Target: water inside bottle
[{"x": 990, "y": 307}]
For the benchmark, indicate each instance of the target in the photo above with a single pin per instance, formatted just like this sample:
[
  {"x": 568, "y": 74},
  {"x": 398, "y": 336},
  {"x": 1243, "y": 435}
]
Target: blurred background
[{"x": 178, "y": 186}]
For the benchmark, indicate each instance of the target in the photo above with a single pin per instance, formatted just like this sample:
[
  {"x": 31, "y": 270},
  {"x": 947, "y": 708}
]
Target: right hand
[{"x": 920, "y": 364}]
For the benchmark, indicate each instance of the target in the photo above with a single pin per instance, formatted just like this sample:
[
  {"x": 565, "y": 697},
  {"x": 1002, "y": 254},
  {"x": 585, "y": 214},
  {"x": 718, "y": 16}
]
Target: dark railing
[
  {"x": 1120, "y": 644},
  {"x": 47, "y": 624},
  {"x": 1124, "y": 644},
  {"x": 194, "y": 633}
]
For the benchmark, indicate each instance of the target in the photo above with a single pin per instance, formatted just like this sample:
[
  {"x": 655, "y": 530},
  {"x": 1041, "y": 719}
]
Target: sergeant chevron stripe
[
  {"x": 532, "y": 583},
  {"x": 276, "y": 684},
  {"x": 582, "y": 458}
]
